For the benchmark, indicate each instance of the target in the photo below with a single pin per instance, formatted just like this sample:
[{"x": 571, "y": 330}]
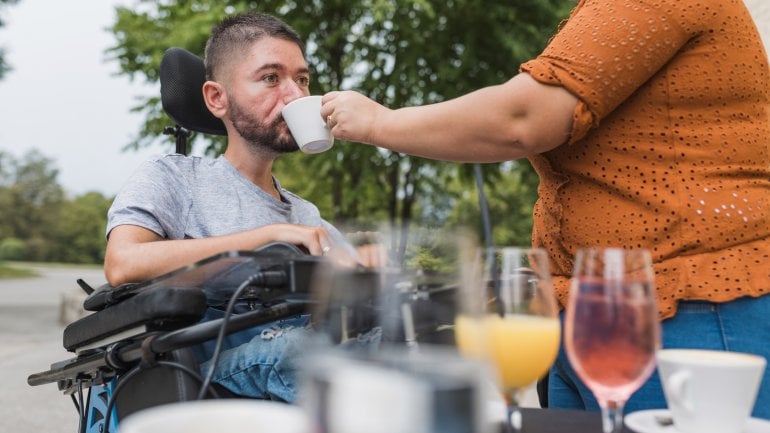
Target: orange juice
[
  {"x": 470, "y": 335},
  {"x": 522, "y": 347}
]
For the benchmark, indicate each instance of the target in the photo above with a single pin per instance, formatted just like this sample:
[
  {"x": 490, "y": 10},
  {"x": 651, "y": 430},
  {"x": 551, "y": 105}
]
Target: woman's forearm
[{"x": 513, "y": 120}]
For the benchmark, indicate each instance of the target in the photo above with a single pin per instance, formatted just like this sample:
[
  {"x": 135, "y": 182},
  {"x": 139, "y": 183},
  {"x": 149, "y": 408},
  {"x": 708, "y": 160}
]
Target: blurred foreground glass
[
  {"x": 404, "y": 373},
  {"x": 509, "y": 317},
  {"x": 345, "y": 306},
  {"x": 410, "y": 301},
  {"x": 398, "y": 390},
  {"x": 611, "y": 327}
]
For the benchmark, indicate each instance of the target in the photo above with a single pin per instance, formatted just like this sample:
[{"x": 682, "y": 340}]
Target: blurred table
[{"x": 561, "y": 421}]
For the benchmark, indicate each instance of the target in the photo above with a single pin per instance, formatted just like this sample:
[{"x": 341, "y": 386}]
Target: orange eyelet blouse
[{"x": 670, "y": 147}]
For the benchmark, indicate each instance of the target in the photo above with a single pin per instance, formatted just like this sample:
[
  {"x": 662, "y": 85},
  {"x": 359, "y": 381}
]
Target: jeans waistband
[{"x": 696, "y": 306}]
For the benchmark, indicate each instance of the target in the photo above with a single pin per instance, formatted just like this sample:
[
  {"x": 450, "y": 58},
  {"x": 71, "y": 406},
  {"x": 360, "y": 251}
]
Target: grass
[
  {"x": 15, "y": 271},
  {"x": 20, "y": 269},
  {"x": 32, "y": 265}
]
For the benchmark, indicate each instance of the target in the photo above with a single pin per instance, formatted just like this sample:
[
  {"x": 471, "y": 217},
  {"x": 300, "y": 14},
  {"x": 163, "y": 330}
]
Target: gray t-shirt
[{"x": 182, "y": 197}]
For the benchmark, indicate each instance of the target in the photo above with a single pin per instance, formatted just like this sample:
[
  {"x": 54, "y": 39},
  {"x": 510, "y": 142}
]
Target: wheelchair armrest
[
  {"x": 103, "y": 297},
  {"x": 162, "y": 308}
]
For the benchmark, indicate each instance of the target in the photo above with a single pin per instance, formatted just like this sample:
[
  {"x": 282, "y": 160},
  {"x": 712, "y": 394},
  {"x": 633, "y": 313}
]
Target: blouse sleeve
[{"x": 606, "y": 50}]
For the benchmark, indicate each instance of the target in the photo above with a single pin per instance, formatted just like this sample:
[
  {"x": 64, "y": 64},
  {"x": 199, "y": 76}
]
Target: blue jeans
[
  {"x": 254, "y": 362},
  {"x": 262, "y": 362},
  {"x": 742, "y": 325}
]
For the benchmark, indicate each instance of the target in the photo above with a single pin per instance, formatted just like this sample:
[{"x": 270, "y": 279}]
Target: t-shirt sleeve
[
  {"x": 607, "y": 50},
  {"x": 154, "y": 197}
]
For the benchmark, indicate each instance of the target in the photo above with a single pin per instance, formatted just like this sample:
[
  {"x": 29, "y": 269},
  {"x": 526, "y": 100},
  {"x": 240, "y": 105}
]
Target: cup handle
[{"x": 677, "y": 384}]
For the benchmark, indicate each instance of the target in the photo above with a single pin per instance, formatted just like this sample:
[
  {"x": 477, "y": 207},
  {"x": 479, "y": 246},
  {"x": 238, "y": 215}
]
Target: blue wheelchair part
[{"x": 96, "y": 409}]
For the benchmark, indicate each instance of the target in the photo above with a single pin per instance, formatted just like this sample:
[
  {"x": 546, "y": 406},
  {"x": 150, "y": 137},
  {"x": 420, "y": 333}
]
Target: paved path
[{"x": 30, "y": 341}]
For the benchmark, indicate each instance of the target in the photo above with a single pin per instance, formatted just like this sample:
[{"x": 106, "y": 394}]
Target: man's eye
[
  {"x": 271, "y": 78},
  {"x": 303, "y": 81}
]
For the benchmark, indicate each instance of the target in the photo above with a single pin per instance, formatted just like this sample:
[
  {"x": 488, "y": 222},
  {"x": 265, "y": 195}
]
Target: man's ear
[{"x": 216, "y": 98}]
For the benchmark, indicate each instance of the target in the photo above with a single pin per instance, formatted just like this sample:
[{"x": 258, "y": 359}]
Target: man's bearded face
[{"x": 274, "y": 136}]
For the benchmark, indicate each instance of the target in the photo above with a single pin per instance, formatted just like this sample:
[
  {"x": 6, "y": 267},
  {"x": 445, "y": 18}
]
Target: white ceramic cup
[
  {"x": 710, "y": 391},
  {"x": 220, "y": 416},
  {"x": 303, "y": 115}
]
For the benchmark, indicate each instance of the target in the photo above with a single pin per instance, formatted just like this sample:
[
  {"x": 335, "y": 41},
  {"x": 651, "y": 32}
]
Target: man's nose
[{"x": 292, "y": 91}]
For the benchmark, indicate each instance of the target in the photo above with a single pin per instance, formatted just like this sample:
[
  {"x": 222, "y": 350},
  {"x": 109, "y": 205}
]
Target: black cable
[
  {"x": 487, "y": 226},
  {"x": 85, "y": 409},
  {"x": 80, "y": 413},
  {"x": 222, "y": 331},
  {"x": 137, "y": 369},
  {"x": 81, "y": 408},
  {"x": 488, "y": 242},
  {"x": 113, "y": 398},
  {"x": 75, "y": 402}
]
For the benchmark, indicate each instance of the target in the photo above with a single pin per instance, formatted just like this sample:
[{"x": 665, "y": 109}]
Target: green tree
[
  {"x": 511, "y": 190},
  {"x": 30, "y": 195},
  {"x": 78, "y": 236},
  {"x": 5, "y": 196},
  {"x": 30, "y": 200},
  {"x": 12, "y": 249},
  {"x": 4, "y": 66},
  {"x": 404, "y": 52},
  {"x": 39, "y": 222}
]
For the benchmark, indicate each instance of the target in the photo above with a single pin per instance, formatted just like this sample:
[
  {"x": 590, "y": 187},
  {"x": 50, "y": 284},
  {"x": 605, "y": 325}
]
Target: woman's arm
[{"x": 519, "y": 118}]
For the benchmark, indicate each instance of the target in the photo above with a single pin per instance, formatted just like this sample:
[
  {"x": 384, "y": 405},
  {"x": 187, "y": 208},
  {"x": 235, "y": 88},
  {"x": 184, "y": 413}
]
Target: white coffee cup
[
  {"x": 303, "y": 115},
  {"x": 220, "y": 416},
  {"x": 710, "y": 391}
]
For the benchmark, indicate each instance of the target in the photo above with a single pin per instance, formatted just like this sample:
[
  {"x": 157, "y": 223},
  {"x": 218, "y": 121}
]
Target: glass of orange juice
[{"x": 513, "y": 320}]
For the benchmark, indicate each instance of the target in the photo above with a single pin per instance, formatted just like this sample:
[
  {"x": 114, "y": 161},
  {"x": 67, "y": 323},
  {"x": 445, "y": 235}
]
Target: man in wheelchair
[{"x": 177, "y": 209}]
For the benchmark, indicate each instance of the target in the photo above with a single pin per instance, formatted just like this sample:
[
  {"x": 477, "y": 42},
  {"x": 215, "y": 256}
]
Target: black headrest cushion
[{"x": 182, "y": 75}]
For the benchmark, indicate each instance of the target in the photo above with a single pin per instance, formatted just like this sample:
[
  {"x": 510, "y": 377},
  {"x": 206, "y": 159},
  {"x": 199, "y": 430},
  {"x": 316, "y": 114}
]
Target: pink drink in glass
[
  {"x": 611, "y": 328},
  {"x": 611, "y": 343}
]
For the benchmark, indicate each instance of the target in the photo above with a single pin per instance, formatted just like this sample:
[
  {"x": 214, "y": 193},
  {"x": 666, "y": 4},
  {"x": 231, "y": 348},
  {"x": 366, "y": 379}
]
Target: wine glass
[
  {"x": 611, "y": 326},
  {"x": 517, "y": 330}
]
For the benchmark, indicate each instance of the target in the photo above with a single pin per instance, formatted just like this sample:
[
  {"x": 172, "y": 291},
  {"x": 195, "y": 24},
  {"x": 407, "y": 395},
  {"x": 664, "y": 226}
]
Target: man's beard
[{"x": 274, "y": 137}]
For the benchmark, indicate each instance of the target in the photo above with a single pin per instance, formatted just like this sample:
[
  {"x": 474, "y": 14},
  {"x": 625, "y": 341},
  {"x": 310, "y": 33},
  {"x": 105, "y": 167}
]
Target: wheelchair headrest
[{"x": 182, "y": 75}]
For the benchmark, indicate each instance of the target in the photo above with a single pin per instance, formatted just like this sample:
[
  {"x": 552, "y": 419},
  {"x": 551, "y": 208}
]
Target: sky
[{"x": 63, "y": 97}]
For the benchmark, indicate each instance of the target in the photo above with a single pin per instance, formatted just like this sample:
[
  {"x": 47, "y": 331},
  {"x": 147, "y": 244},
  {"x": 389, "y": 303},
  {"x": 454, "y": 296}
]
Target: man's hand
[{"x": 369, "y": 248}]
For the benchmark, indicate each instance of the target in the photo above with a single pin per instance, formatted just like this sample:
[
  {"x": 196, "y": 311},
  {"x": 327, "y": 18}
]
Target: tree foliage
[
  {"x": 398, "y": 52},
  {"x": 39, "y": 222},
  {"x": 4, "y": 66}
]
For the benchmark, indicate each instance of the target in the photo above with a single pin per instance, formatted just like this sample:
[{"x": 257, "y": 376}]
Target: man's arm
[{"x": 136, "y": 254}]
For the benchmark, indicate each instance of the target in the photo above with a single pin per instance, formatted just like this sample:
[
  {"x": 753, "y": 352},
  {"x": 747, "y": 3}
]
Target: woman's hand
[{"x": 351, "y": 116}]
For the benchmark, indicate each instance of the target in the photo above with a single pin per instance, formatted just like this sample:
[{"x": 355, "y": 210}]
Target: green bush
[{"x": 13, "y": 249}]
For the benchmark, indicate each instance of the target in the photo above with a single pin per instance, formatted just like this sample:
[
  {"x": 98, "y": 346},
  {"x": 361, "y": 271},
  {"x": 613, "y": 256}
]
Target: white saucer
[{"x": 644, "y": 422}]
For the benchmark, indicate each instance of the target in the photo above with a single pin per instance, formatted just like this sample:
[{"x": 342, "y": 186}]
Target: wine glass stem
[
  {"x": 612, "y": 417},
  {"x": 513, "y": 424}
]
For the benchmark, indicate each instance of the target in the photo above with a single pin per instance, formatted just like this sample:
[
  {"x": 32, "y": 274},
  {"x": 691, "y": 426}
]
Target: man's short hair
[{"x": 235, "y": 33}]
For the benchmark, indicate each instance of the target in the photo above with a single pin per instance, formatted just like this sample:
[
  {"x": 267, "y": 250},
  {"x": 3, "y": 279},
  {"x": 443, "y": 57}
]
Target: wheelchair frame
[{"x": 134, "y": 355}]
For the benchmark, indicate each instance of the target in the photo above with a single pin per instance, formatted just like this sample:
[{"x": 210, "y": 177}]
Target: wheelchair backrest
[{"x": 182, "y": 75}]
